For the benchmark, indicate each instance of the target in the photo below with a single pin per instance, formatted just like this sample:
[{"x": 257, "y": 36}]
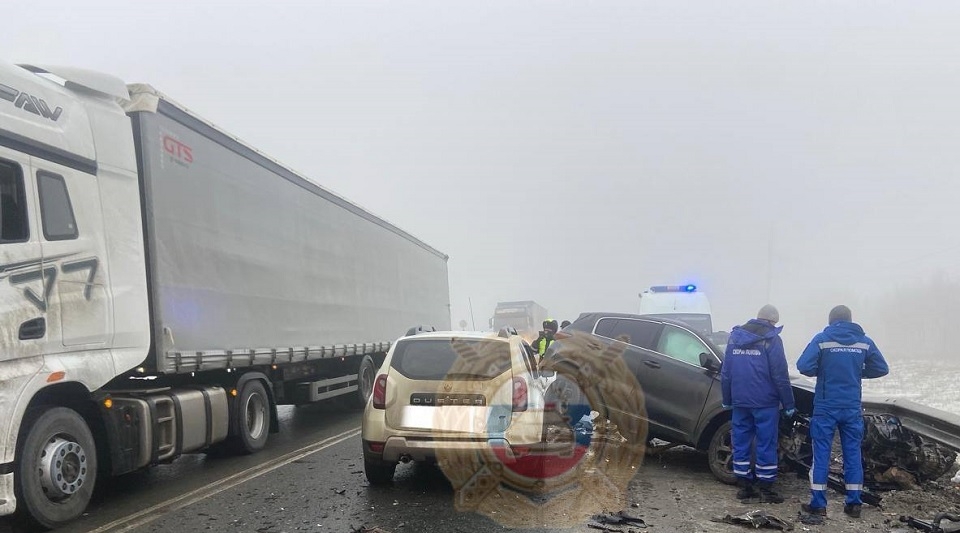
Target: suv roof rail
[
  {"x": 507, "y": 331},
  {"x": 415, "y": 330}
]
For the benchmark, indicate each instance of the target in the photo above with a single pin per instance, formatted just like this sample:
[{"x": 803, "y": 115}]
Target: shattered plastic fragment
[
  {"x": 756, "y": 519},
  {"x": 615, "y": 522}
]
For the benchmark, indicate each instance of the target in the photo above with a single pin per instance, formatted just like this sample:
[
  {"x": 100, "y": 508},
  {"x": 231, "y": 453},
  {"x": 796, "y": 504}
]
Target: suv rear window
[{"x": 436, "y": 359}]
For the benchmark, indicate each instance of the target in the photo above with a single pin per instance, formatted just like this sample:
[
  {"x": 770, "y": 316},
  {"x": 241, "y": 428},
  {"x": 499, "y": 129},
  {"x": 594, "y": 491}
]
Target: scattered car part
[
  {"x": 796, "y": 450},
  {"x": 887, "y": 445},
  {"x": 618, "y": 522},
  {"x": 893, "y": 456},
  {"x": 934, "y": 526},
  {"x": 756, "y": 519},
  {"x": 932, "y": 424}
]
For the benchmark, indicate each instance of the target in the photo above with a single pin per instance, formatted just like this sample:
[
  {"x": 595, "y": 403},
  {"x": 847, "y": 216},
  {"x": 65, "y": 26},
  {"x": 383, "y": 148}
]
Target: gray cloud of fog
[{"x": 575, "y": 153}]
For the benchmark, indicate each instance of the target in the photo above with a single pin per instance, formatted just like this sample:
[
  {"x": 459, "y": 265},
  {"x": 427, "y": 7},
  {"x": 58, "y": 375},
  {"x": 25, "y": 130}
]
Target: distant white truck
[
  {"x": 164, "y": 286},
  {"x": 525, "y": 316},
  {"x": 678, "y": 302}
]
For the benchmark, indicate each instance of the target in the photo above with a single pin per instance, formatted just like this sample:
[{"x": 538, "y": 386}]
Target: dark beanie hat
[{"x": 840, "y": 313}]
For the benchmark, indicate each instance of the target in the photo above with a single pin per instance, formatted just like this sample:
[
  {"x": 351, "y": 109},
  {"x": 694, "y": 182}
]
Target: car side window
[
  {"x": 642, "y": 333},
  {"x": 605, "y": 327},
  {"x": 56, "y": 212},
  {"x": 681, "y": 345},
  {"x": 13, "y": 204}
]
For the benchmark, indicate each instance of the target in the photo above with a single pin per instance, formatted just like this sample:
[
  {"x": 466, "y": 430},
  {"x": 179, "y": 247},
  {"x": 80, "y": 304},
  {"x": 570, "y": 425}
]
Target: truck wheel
[
  {"x": 252, "y": 418},
  {"x": 366, "y": 376},
  {"x": 378, "y": 472},
  {"x": 720, "y": 454},
  {"x": 58, "y": 467}
]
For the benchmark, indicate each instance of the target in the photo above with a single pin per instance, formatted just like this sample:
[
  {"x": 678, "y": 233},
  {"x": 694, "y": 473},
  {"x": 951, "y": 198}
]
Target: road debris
[
  {"x": 812, "y": 519},
  {"x": 619, "y": 522},
  {"x": 894, "y": 457},
  {"x": 757, "y": 519},
  {"x": 934, "y": 526}
]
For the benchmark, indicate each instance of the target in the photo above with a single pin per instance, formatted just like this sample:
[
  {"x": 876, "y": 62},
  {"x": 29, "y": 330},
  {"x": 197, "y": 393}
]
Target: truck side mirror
[{"x": 709, "y": 362}]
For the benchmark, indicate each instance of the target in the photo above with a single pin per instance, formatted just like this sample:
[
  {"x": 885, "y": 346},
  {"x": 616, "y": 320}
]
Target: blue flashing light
[{"x": 673, "y": 288}]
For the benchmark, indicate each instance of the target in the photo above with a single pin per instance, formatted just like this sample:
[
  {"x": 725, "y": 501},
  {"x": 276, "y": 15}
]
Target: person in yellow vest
[{"x": 545, "y": 339}]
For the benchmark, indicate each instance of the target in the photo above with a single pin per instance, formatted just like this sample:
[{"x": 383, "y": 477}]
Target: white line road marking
[{"x": 152, "y": 513}]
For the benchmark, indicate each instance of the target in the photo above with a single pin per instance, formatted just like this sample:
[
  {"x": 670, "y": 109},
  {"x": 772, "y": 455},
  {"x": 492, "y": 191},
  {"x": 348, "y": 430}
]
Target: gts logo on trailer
[{"x": 29, "y": 103}]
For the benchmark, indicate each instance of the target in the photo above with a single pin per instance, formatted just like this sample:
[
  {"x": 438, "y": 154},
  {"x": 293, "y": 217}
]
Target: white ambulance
[{"x": 678, "y": 302}]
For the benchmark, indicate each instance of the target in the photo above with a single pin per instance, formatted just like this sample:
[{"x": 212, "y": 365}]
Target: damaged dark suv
[{"x": 677, "y": 369}]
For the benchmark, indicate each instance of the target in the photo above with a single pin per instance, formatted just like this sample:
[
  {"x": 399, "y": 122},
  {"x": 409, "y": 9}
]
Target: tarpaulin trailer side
[{"x": 251, "y": 263}]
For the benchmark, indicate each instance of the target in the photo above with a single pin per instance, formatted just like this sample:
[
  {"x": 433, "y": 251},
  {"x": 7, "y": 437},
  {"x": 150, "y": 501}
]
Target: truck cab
[
  {"x": 524, "y": 316},
  {"x": 72, "y": 283}
]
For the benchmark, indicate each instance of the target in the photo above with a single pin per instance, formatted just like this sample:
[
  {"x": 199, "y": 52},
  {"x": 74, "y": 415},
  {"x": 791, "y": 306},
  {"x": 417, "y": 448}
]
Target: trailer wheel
[
  {"x": 252, "y": 418},
  {"x": 57, "y": 470},
  {"x": 366, "y": 376},
  {"x": 720, "y": 454},
  {"x": 378, "y": 472}
]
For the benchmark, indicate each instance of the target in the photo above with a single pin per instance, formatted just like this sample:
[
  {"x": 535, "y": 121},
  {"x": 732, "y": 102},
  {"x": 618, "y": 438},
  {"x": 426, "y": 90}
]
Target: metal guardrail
[{"x": 937, "y": 425}]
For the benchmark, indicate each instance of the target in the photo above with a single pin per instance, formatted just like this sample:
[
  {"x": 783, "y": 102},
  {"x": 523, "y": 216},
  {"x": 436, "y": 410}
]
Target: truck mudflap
[{"x": 894, "y": 456}]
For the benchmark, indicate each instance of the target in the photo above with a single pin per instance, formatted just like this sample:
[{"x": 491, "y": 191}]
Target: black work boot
[
  {"x": 852, "y": 510},
  {"x": 816, "y": 511},
  {"x": 767, "y": 494},
  {"x": 747, "y": 491}
]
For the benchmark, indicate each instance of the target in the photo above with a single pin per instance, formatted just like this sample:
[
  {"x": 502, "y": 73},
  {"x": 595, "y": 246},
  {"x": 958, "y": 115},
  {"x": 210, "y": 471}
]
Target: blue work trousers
[
  {"x": 823, "y": 426},
  {"x": 760, "y": 425}
]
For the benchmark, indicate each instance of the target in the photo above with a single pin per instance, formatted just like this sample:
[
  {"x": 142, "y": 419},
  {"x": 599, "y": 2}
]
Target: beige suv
[{"x": 451, "y": 392}]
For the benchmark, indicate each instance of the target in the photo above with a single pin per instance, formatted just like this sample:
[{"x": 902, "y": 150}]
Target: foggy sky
[{"x": 575, "y": 153}]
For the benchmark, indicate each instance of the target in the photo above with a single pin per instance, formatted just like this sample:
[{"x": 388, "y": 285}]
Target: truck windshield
[
  {"x": 519, "y": 322},
  {"x": 437, "y": 359}
]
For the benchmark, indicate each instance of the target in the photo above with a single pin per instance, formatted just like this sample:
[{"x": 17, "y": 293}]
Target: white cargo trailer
[{"x": 164, "y": 286}]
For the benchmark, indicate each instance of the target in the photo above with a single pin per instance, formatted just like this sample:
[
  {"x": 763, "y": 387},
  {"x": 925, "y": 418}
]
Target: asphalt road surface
[{"x": 309, "y": 478}]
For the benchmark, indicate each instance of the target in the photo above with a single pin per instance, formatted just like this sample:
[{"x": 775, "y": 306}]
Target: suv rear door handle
[
  {"x": 652, "y": 364},
  {"x": 33, "y": 329}
]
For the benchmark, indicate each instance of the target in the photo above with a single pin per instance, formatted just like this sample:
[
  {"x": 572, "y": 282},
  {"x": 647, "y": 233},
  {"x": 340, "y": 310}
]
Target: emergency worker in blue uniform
[
  {"x": 839, "y": 357},
  {"x": 756, "y": 386}
]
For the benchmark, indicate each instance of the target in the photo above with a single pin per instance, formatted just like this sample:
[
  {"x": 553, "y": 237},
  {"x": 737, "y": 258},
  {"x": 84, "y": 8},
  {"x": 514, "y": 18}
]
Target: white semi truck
[
  {"x": 164, "y": 286},
  {"x": 525, "y": 316}
]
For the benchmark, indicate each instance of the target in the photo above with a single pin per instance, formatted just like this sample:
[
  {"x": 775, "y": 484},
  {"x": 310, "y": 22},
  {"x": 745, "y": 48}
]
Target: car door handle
[
  {"x": 652, "y": 364},
  {"x": 33, "y": 329}
]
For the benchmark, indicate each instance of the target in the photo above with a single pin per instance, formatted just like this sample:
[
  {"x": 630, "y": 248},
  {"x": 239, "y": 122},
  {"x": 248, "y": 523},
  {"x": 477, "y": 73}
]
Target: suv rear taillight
[
  {"x": 519, "y": 394},
  {"x": 380, "y": 392}
]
